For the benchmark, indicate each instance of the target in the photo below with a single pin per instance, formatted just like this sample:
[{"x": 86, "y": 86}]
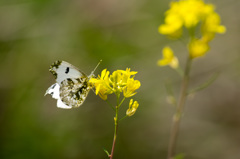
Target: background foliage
[{"x": 35, "y": 33}]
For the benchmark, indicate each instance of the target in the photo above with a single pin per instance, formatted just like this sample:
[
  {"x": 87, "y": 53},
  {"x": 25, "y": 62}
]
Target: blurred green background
[{"x": 35, "y": 33}]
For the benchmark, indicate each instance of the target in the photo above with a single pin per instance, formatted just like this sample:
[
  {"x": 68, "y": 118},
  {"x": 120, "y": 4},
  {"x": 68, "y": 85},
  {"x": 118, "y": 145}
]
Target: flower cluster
[
  {"x": 189, "y": 14},
  {"x": 120, "y": 81}
]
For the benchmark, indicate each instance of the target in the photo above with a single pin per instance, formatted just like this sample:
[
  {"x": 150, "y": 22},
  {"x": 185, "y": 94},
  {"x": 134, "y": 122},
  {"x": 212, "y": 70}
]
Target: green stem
[
  {"x": 115, "y": 134},
  {"x": 123, "y": 117},
  {"x": 179, "y": 111},
  {"x": 115, "y": 129},
  {"x": 122, "y": 101},
  {"x": 180, "y": 71}
]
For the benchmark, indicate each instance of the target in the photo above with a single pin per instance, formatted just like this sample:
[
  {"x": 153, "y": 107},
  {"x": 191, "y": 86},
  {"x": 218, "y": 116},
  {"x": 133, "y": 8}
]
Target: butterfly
[{"x": 72, "y": 85}]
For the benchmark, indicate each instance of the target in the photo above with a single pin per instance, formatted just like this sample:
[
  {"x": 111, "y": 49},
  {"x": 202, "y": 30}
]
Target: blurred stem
[
  {"x": 205, "y": 84},
  {"x": 170, "y": 94},
  {"x": 179, "y": 71},
  {"x": 123, "y": 117},
  {"x": 179, "y": 111},
  {"x": 116, "y": 127}
]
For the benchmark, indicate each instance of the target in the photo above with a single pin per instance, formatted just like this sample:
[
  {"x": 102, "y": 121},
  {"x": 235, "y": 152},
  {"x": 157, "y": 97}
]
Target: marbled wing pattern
[{"x": 72, "y": 85}]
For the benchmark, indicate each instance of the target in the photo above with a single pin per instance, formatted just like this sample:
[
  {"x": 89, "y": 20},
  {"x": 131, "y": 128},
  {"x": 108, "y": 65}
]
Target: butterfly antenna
[{"x": 92, "y": 73}]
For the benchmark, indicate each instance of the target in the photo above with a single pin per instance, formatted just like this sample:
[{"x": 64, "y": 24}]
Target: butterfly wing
[
  {"x": 72, "y": 85},
  {"x": 54, "y": 91},
  {"x": 62, "y": 70},
  {"x": 73, "y": 92}
]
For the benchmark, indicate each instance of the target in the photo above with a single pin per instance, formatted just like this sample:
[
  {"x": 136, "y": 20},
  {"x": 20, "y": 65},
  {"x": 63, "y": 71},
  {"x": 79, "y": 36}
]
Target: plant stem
[
  {"x": 179, "y": 111},
  {"x": 116, "y": 129},
  {"x": 115, "y": 133}
]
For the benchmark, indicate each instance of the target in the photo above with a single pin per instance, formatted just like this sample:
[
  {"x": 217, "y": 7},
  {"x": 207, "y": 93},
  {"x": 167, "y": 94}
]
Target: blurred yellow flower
[
  {"x": 211, "y": 25},
  {"x": 186, "y": 13},
  {"x": 198, "y": 48},
  {"x": 168, "y": 58},
  {"x": 189, "y": 14},
  {"x": 132, "y": 108},
  {"x": 172, "y": 26},
  {"x": 119, "y": 81}
]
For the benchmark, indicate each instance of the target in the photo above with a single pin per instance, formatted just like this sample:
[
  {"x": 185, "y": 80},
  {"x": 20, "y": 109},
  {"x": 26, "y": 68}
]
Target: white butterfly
[{"x": 72, "y": 85}]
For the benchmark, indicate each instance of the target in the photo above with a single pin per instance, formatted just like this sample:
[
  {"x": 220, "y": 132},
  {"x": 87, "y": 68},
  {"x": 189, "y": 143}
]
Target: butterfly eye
[{"x": 67, "y": 70}]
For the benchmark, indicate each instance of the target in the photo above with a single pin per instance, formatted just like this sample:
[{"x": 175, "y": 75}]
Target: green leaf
[{"x": 106, "y": 151}]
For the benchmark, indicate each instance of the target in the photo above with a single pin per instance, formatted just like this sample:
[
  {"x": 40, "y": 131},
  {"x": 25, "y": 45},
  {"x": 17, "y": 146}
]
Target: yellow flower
[
  {"x": 168, "y": 58},
  {"x": 197, "y": 48},
  {"x": 211, "y": 25},
  {"x": 130, "y": 88},
  {"x": 193, "y": 11},
  {"x": 172, "y": 27},
  {"x": 119, "y": 81},
  {"x": 116, "y": 82},
  {"x": 190, "y": 13},
  {"x": 127, "y": 74},
  {"x": 102, "y": 84},
  {"x": 132, "y": 108},
  {"x": 186, "y": 13},
  {"x": 104, "y": 91}
]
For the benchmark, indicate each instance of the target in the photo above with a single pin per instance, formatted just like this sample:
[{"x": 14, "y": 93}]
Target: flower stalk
[
  {"x": 119, "y": 82},
  {"x": 179, "y": 111},
  {"x": 115, "y": 132},
  {"x": 116, "y": 125},
  {"x": 191, "y": 15}
]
